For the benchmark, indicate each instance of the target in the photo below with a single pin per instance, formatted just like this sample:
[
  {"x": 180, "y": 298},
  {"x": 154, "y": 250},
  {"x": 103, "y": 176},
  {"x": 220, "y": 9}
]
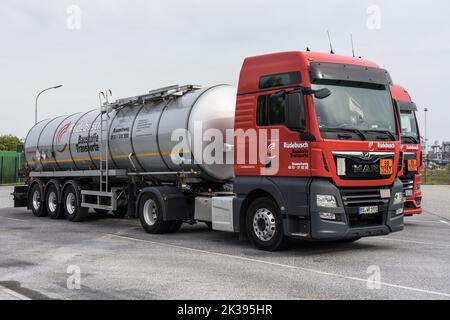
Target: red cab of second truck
[{"x": 412, "y": 150}]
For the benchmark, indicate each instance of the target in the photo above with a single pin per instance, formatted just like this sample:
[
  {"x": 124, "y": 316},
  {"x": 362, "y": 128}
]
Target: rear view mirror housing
[
  {"x": 295, "y": 112},
  {"x": 322, "y": 93}
]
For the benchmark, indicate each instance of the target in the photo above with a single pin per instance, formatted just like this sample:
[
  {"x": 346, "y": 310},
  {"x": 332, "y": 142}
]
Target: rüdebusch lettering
[
  {"x": 296, "y": 145},
  {"x": 384, "y": 145}
]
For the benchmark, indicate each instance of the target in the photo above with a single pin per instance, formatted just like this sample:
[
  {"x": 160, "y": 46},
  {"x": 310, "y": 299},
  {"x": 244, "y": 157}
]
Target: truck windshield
[
  {"x": 356, "y": 112},
  {"x": 410, "y": 132}
]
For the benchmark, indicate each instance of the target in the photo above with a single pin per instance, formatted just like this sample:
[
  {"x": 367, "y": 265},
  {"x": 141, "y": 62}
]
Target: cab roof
[
  {"x": 258, "y": 66},
  {"x": 400, "y": 93}
]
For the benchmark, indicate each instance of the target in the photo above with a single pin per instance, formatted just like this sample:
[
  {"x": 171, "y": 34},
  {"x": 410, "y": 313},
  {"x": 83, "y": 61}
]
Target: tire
[
  {"x": 36, "y": 200},
  {"x": 53, "y": 204},
  {"x": 73, "y": 211},
  {"x": 101, "y": 211},
  {"x": 265, "y": 225},
  {"x": 150, "y": 215},
  {"x": 121, "y": 212}
]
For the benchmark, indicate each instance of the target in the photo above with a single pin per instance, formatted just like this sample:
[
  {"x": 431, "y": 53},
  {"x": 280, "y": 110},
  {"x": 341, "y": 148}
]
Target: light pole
[
  {"x": 37, "y": 99},
  {"x": 426, "y": 145}
]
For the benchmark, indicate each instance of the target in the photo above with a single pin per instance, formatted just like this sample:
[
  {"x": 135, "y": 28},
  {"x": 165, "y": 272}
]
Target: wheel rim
[
  {"x": 150, "y": 212},
  {"x": 52, "y": 201},
  {"x": 37, "y": 200},
  {"x": 70, "y": 203},
  {"x": 264, "y": 224}
]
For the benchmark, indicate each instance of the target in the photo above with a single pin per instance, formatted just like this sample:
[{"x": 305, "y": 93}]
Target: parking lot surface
[{"x": 114, "y": 259}]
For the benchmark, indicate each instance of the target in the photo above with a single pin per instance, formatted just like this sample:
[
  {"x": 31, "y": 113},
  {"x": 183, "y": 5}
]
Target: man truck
[
  {"x": 307, "y": 147},
  {"x": 412, "y": 150}
]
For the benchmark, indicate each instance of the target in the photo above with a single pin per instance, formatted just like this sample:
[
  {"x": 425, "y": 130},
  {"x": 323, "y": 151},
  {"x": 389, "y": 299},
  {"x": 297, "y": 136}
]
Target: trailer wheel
[
  {"x": 37, "y": 204},
  {"x": 150, "y": 215},
  {"x": 265, "y": 225},
  {"x": 53, "y": 205},
  {"x": 73, "y": 211}
]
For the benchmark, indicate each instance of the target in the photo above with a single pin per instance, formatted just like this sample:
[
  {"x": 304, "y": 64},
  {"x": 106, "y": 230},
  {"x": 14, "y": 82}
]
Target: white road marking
[
  {"x": 12, "y": 219},
  {"x": 409, "y": 241},
  {"x": 14, "y": 294},
  {"x": 445, "y": 222},
  {"x": 335, "y": 275}
]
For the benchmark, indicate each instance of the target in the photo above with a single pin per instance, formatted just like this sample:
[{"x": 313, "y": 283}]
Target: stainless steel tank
[{"x": 140, "y": 132}]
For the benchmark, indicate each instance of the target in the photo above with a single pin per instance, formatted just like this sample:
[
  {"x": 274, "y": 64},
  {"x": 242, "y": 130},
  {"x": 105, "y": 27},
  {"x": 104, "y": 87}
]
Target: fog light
[
  {"x": 327, "y": 216},
  {"x": 326, "y": 201}
]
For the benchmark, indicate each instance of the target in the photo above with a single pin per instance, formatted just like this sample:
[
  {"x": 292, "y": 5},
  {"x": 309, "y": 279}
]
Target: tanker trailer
[{"x": 298, "y": 164}]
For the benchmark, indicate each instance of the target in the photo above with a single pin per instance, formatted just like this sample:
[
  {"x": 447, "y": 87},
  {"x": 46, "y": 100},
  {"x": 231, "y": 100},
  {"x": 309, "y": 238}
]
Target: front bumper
[{"x": 352, "y": 225}]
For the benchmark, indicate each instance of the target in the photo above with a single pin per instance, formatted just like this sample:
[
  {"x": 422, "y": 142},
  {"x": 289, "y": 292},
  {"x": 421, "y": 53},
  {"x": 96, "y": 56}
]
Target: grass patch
[{"x": 437, "y": 176}]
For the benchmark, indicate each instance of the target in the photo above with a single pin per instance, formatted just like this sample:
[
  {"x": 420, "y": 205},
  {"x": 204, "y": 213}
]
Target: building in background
[{"x": 440, "y": 153}]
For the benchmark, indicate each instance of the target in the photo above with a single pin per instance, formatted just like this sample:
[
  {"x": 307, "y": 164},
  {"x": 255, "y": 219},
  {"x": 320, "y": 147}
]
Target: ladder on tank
[{"x": 105, "y": 109}]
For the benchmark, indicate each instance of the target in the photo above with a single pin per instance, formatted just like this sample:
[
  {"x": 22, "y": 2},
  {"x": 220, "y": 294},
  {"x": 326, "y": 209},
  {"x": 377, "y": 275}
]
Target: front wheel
[{"x": 265, "y": 225}]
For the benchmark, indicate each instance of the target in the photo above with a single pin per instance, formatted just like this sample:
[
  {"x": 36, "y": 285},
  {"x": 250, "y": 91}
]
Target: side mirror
[
  {"x": 295, "y": 112},
  {"x": 322, "y": 93}
]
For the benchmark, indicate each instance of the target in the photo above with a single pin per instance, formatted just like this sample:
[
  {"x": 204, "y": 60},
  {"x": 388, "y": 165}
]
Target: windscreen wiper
[
  {"x": 356, "y": 131},
  {"x": 386, "y": 132}
]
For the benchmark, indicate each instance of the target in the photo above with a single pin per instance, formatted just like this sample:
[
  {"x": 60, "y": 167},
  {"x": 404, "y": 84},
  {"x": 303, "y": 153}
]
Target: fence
[{"x": 10, "y": 164}]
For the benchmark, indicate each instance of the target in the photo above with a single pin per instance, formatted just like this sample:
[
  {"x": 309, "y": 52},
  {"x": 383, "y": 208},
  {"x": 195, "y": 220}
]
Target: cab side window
[{"x": 270, "y": 112}]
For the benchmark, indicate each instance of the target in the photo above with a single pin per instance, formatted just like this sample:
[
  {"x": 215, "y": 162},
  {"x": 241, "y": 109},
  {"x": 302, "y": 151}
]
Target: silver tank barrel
[{"x": 142, "y": 132}]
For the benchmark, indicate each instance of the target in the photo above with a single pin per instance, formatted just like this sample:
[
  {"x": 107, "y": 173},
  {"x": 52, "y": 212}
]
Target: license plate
[
  {"x": 412, "y": 165},
  {"x": 367, "y": 210},
  {"x": 409, "y": 193},
  {"x": 386, "y": 167},
  {"x": 385, "y": 193}
]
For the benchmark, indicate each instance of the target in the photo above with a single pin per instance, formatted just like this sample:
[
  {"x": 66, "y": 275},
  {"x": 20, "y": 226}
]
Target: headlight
[
  {"x": 398, "y": 198},
  {"x": 418, "y": 187},
  {"x": 326, "y": 201}
]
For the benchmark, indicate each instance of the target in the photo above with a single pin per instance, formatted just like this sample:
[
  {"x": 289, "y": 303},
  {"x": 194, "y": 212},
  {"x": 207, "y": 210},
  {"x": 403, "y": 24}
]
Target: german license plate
[
  {"x": 368, "y": 210},
  {"x": 409, "y": 193}
]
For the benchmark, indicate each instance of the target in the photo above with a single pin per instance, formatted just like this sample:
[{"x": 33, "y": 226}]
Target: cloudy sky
[{"x": 136, "y": 45}]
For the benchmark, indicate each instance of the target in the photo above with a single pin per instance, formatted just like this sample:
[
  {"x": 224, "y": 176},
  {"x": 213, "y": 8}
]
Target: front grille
[
  {"x": 360, "y": 168},
  {"x": 355, "y": 198},
  {"x": 408, "y": 184}
]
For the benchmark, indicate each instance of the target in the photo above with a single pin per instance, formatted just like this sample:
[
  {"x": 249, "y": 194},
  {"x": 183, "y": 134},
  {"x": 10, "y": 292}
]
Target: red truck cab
[
  {"x": 412, "y": 150},
  {"x": 333, "y": 149}
]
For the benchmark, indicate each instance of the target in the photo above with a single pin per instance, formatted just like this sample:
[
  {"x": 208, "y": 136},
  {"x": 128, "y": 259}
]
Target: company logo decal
[
  {"x": 60, "y": 135},
  {"x": 296, "y": 145},
  {"x": 384, "y": 145}
]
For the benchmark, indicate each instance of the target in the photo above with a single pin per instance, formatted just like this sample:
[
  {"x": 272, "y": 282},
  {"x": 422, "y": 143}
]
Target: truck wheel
[
  {"x": 265, "y": 225},
  {"x": 150, "y": 215},
  {"x": 54, "y": 207},
  {"x": 37, "y": 202},
  {"x": 72, "y": 210}
]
